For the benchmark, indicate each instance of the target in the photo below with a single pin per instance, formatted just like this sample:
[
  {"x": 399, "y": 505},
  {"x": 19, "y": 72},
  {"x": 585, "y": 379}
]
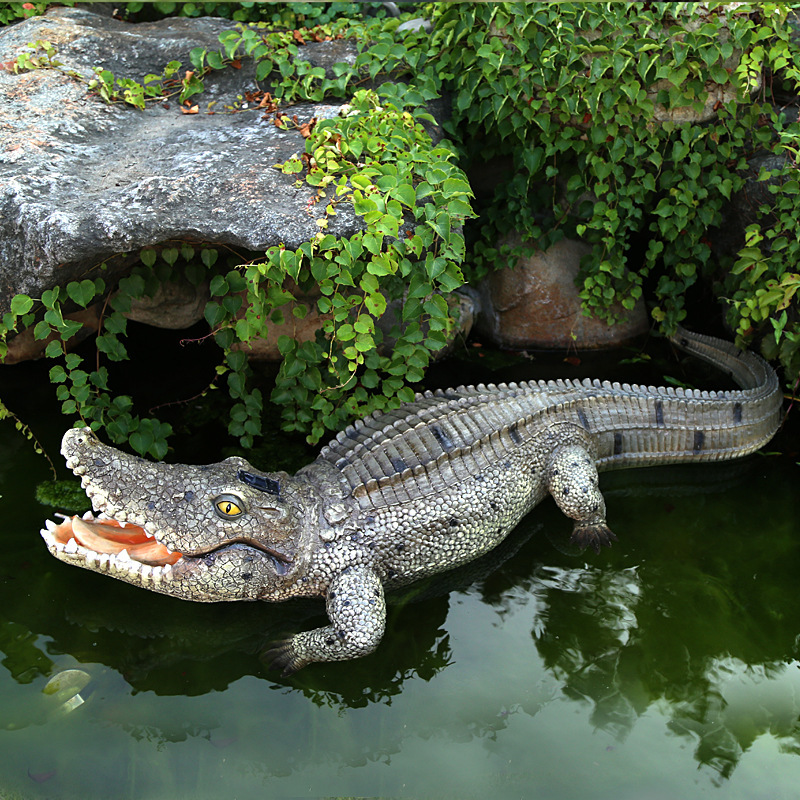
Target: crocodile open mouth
[
  {"x": 100, "y": 538},
  {"x": 108, "y": 545}
]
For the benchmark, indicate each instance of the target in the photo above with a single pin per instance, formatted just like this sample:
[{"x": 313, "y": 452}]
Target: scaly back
[{"x": 446, "y": 436}]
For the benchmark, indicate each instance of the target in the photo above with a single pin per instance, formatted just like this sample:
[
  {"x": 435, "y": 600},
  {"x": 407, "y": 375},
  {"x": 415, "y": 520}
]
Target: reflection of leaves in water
[
  {"x": 24, "y": 659},
  {"x": 694, "y": 614}
]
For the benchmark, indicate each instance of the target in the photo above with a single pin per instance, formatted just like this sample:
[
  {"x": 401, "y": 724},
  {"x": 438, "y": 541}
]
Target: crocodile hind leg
[
  {"x": 357, "y": 611},
  {"x": 572, "y": 480}
]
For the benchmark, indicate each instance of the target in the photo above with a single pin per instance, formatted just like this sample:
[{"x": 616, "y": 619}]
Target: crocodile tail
[{"x": 749, "y": 370}]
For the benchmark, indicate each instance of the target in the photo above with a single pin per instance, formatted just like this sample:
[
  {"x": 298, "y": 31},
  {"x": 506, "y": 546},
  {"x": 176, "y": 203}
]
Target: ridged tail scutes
[{"x": 698, "y": 425}]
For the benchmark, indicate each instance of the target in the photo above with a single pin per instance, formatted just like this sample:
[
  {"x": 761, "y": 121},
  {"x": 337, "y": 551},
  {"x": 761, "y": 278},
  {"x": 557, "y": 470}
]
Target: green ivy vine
[
  {"x": 580, "y": 96},
  {"x": 377, "y": 157}
]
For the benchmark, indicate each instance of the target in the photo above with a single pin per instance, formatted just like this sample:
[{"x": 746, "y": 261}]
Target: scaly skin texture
[{"x": 399, "y": 495}]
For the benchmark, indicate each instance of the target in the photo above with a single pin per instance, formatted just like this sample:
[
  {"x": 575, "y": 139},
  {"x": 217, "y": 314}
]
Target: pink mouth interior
[{"x": 108, "y": 536}]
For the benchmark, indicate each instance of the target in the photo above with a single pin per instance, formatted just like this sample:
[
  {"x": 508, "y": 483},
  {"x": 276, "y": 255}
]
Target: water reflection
[
  {"x": 692, "y": 619},
  {"x": 701, "y": 606}
]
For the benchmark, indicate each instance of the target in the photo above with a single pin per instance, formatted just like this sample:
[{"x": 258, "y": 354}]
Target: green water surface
[{"x": 664, "y": 667}]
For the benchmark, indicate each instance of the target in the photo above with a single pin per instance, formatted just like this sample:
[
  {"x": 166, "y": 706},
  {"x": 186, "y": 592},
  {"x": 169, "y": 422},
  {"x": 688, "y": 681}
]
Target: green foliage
[
  {"x": 105, "y": 85},
  {"x": 5, "y": 413},
  {"x": 587, "y": 100},
  {"x": 763, "y": 283},
  {"x": 85, "y": 392},
  {"x": 13, "y": 12},
  {"x": 413, "y": 200},
  {"x": 286, "y": 15},
  {"x": 67, "y": 495}
]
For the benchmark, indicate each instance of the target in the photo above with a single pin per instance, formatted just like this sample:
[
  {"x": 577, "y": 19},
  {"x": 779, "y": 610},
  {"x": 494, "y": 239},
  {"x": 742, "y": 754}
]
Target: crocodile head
[{"x": 217, "y": 532}]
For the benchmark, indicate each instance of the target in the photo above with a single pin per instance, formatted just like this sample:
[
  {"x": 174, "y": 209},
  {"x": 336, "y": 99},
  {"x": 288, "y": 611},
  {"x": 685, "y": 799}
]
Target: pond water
[{"x": 667, "y": 666}]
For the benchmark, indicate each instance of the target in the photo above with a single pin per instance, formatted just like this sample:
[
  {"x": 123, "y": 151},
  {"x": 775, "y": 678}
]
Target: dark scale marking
[
  {"x": 582, "y": 417},
  {"x": 453, "y": 522},
  {"x": 737, "y": 412},
  {"x": 493, "y": 506},
  {"x": 659, "y": 413},
  {"x": 565, "y": 490},
  {"x": 399, "y": 464},
  {"x": 188, "y": 495},
  {"x": 699, "y": 441},
  {"x": 260, "y": 482},
  {"x": 514, "y": 434},
  {"x": 443, "y": 439},
  {"x": 507, "y": 464},
  {"x": 246, "y": 576},
  {"x": 400, "y": 547}
]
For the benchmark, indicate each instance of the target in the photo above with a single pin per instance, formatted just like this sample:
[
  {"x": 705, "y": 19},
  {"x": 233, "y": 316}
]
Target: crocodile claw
[
  {"x": 280, "y": 654},
  {"x": 592, "y": 534}
]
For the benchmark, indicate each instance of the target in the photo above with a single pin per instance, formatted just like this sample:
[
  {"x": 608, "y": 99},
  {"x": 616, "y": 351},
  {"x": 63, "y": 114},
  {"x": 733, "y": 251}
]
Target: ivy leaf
[{"x": 21, "y": 304}]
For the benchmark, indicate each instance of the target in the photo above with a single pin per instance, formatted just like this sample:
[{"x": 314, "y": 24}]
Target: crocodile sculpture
[{"x": 399, "y": 495}]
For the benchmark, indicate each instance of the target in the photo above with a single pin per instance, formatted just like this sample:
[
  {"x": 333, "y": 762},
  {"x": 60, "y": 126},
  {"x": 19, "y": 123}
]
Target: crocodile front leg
[
  {"x": 573, "y": 482},
  {"x": 357, "y": 611}
]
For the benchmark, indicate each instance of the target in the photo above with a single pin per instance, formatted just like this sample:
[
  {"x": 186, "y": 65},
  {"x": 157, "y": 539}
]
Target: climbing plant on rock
[
  {"x": 633, "y": 122},
  {"x": 377, "y": 157},
  {"x": 413, "y": 200}
]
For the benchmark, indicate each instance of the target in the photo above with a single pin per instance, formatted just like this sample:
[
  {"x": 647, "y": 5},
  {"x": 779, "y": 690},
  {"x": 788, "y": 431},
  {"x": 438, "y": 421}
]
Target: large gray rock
[{"x": 81, "y": 180}]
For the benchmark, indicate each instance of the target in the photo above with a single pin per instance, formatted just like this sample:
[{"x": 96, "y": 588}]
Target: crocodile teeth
[
  {"x": 71, "y": 546},
  {"x": 124, "y": 555},
  {"x": 50, "y": 525}
]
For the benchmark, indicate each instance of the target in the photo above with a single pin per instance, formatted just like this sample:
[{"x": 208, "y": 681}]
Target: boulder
[
  {"x": 81, "y": 180},
  {"x": 536, "y": 304}
]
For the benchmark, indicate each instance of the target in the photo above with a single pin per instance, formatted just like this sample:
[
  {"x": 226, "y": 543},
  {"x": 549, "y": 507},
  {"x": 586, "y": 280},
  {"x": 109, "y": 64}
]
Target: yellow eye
[{"x": 228, "y": 507}]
